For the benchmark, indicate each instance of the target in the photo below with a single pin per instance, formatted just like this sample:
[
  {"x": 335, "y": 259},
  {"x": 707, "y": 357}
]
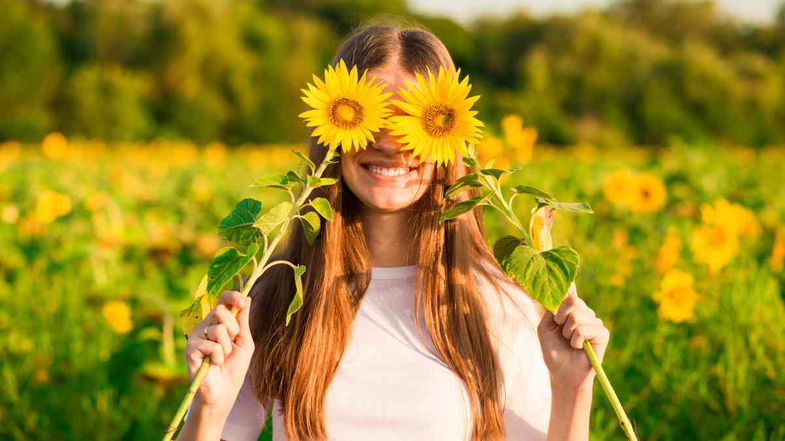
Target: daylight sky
[{"x": 465, "y": 10}]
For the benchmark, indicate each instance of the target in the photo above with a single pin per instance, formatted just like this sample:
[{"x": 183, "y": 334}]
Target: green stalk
[
  {"x": 609, "y": 392},
  {"x": 259, "y": 269}
]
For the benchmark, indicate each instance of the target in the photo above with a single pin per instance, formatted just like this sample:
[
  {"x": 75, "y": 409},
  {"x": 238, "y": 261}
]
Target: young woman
[{"x": 409, "y": 329}]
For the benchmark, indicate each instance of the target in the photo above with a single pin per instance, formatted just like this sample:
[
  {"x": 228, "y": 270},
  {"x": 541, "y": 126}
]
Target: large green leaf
[
  {"x": 463, "y": 183},
  {"x": 461, "y": 208},
  {"x": 297, "y": 300},
  {"x": 545, "y": 276},
  {"x": 227, "y": 263},
  {"x": 322, "y": 206},
  {"x": 274, "y": 217},
  {"x": 504, "y": 246},
  {"x": 312, "y": 224},
  {"x": 238, "y": 226}
]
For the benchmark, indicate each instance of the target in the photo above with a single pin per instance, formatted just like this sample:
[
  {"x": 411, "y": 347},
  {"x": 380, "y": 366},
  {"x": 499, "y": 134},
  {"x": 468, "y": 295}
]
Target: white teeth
[{"x": 388, "y": 171}]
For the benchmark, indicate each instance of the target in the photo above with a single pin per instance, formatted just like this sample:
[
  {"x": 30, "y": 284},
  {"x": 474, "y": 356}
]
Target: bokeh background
[{"x": 129, "y": 128}]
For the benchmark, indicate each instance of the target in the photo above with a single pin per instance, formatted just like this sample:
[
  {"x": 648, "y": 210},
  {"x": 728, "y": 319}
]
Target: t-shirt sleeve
[
  {"x": 527, "y": 405},
  {"x": 247, "y": 417}
]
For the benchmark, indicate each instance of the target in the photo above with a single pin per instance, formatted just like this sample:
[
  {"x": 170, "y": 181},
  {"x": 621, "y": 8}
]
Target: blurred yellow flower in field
[
  {"x": 714, "y": 245},
  {"x": 54, "y": 145},
  {"x": 491, "y": 147},
  {"x": 41, "y": 376},
  {"x": 733, "y": 216},
  {"x": 520, "y": 139},
  {"x": 676, "y": 297},
  {"x": 201, "y": 188},
  {"x": 617, "y": 187},
  {"x": 648, "y": 193},
  {"x": 778, "y": 252},
  {"x": 9, "y": 152},
  {"x": 207, "y": 244},
  {"x": 96, "y": 201},
  {"x": 625, "y": 253},
  {"x": 118, "y": 315},
  {"x": 215, "y": 153},
  {"x": 669, "y": 252},
  {"x": 50, "y": 205},
  {"x": 10, "y": 214}
]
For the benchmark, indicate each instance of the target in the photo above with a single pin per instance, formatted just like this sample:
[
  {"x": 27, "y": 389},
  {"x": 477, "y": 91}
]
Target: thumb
[
  {"x": 244, "y": 338},
  {"x": 573, "y": 290}
]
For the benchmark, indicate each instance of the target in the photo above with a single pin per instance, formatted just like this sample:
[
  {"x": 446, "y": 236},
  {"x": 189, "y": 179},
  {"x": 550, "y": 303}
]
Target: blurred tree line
[{"x": 640, "y": 71}]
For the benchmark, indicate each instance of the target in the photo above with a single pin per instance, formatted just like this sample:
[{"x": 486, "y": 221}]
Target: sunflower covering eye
[
  {"x": 439, "y": 118},
  {"x": 345, "y": 109}
]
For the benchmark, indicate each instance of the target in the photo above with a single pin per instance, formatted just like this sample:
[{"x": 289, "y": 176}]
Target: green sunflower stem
[
  {"x": 259, "y": 269},
  {"x": 609, "y": 392}
]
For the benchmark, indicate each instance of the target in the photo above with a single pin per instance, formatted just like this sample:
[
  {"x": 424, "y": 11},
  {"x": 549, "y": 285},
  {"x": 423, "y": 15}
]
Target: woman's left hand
[{"x": 561, "y": 339}]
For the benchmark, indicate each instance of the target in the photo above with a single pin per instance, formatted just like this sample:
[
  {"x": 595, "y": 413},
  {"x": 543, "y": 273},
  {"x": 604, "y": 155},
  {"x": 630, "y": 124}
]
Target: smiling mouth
[{"x": 388, "y": 172}]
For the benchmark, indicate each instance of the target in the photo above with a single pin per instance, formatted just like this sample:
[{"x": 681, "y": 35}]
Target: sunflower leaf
[
  {"x": 227, "y": 263},
  {"x": 293, "y": 176},
  {"x": 504, "y": 246},
  {"x": 196, "y": 312},
  {"x": 574, "y": 207},
  {"x": 471, "y": 161},
  {"x": 297, "y": 300},
  {"x": 312, "y": 224},
  {"x": 463, "y": 183},
  {"x": 239, "y": 225},
  {"x": 305, "y": 159},
  {"x": 546, "y": 276},
  {"x": 462, "y": 208},
  {"x": 322, "y": 206},
  {"x": 274, "y": 217},
  {"x": 526, "y": 189},
  {"x": 495, "y": 172},
  {"x": 315, "y": 182},
  {"x": 276, "y": 180}
]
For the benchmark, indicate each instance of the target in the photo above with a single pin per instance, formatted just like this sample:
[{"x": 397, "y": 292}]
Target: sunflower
[
  {"x": 439, "y": 118},
  {"x": 345, "y": 109},
  {"x": 648, "y": 193},
  {"x": 676, "y": 297}
]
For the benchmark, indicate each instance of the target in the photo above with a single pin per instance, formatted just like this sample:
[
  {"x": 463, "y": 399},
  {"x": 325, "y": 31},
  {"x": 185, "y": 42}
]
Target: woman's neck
[{"x": 387, "y": 235}]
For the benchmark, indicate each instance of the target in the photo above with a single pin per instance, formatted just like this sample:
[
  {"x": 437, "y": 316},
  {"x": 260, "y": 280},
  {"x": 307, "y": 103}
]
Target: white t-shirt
[{"x": 389, "y": 386}]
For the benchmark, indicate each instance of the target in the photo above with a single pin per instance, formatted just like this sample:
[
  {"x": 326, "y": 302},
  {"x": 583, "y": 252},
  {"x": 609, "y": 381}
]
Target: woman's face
[{"x": 382, "y": 176}]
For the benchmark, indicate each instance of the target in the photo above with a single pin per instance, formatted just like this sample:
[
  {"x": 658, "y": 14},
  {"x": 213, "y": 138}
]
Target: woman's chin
[{"x": 390, "y": 203}]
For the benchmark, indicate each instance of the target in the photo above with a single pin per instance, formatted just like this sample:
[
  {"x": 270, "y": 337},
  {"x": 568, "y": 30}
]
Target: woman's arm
[
  {"x": 571, "y": 374},
  {"x": 204, "y": 422},
  {"x": 570, "y": 411}
]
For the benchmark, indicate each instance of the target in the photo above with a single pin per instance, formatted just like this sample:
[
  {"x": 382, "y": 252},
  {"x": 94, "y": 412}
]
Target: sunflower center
[
  {"x": 346, "y": 113},
  {"x": 439, "y": 120}
]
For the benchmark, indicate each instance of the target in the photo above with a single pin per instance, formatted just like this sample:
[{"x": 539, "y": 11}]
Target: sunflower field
[{"x": 103, "y": 243}]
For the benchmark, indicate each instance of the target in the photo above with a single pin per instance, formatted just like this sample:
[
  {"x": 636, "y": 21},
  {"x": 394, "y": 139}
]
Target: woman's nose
[{"x": 386, "y": 142}]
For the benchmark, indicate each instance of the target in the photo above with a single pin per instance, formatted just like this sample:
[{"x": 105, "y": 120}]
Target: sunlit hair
[{"x": 295, "y": 364}]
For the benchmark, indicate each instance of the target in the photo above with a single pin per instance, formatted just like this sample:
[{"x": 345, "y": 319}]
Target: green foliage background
[{"x": 640, "y": 71}]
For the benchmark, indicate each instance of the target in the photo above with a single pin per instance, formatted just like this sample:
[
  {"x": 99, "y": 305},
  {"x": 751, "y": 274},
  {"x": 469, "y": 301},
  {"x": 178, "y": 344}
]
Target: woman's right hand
[{"x": 228, "y": 342}]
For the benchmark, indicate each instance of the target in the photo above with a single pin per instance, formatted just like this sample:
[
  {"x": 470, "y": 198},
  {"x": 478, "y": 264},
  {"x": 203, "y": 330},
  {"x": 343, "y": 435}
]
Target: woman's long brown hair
[{"x": 296, "y": 363}]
